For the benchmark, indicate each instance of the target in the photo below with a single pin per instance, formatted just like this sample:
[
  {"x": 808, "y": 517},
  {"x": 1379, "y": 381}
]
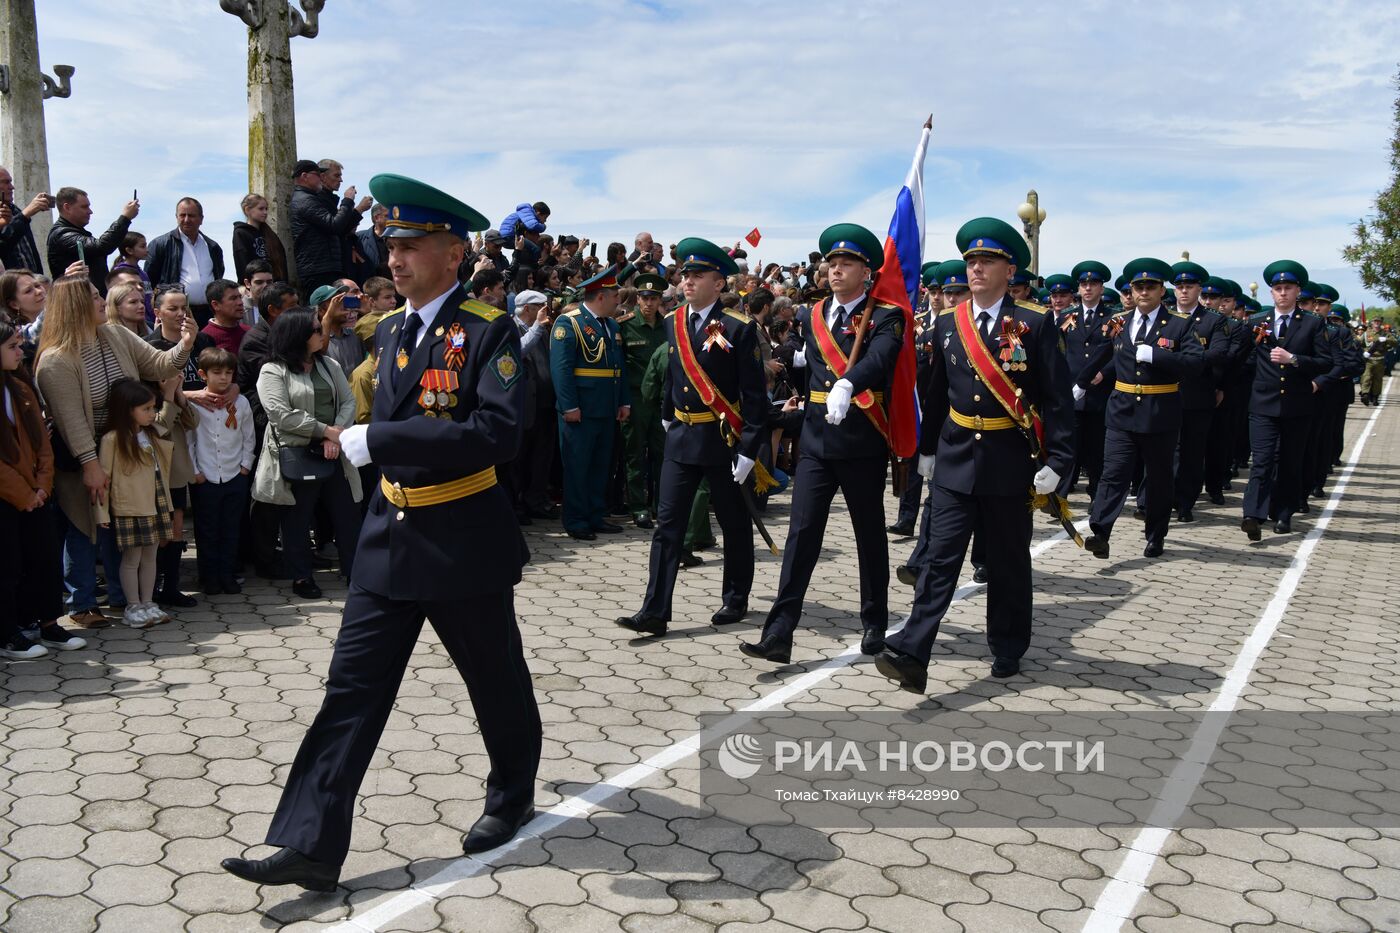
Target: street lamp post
[
  {"x": 1254, "y": 290},
  {"x": 1032, "y": 216}
]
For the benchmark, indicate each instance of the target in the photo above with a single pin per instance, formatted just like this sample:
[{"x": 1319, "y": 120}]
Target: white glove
[
  {"x": 354, "y": 443},
  {"x": 926, "y": 466},
  {"x": 838, "y": 401},
  {"x": 799, "y": 359},
  {"x": 666, "y": 425},
  {"x": 1046, "y": 480},
  {"x": 1144, "y": 353},
  {"x": 1078, "y": 393},
  {"x": 743, "y": 466}
]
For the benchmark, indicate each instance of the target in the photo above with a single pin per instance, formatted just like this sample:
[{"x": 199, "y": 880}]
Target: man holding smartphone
[{"x": 70, "y": 242}]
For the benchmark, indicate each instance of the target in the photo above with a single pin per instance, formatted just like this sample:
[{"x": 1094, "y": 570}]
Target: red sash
[
  {"x": 836, "y": 361},
  {"x": 996, "y": 380},
  {"x": 726, "y": 410}
]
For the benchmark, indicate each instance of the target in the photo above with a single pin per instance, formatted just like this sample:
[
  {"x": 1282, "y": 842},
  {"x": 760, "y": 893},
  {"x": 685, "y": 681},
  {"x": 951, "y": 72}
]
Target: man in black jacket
[
  {"x": 17, "y": 247},
  {"x": 318, "y": 231},
  {"x": 167, "y": 264},
  {"x": 74, "y": 212}
]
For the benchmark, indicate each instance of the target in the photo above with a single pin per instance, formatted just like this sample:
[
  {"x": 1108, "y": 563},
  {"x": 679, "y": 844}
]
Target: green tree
[{"x": 1375, "y": 251}]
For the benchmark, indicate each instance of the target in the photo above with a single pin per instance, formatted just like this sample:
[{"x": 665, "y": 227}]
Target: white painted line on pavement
[
  {"x": 1118, "y": 901},
  {"x": 582, "y": 804}
]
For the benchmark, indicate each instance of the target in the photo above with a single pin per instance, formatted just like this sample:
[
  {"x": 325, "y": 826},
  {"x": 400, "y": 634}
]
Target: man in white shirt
[{"x": 187, "y": 257}]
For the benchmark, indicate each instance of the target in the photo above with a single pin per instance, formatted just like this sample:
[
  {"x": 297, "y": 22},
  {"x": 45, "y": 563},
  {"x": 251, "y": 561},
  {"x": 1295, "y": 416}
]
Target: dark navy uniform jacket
[
  {"x": 736, "y": 371},
  {"x": 1346, "y": 353},
  {"x": 1239, "y": 363},
  {"x": 1081, "y": 332},
  {"x": 855, "y": 436},
  {"x": 469, "y": 545},
  {"x": 1208, "y": 329},
  {"x": 1176, "y": 355},
  {"x": 996, "y": 463},
  {"x": 1283, "y": 390}
]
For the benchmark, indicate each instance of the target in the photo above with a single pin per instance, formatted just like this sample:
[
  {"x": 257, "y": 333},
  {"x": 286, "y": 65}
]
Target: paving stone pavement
[{"x": 131, "y": 767}]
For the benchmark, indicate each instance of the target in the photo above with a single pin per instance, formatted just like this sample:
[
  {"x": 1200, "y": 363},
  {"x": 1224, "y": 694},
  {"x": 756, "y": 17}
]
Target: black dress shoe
[
  {"x": 1097, "y": 546},
  {"x": 1140, "y": 515},
  {"x": 642, "y": 520},
  {"x": 691, "y": 559},
  {"x": 1318, "y": 493},
  {"x": 1217, "y": 498},
  {"x": 211, "y": 587},
  {"x": 1304, "y": 509},
  {"x": 643, "y": 623},
  {"x": 1185, "y": 516},
  {"x": 1283, "y": 526},
  {"x": 728, "y": 615},
  {"x": 1153, "y": 549},
  {"x": 176, "y": 600},
  {"x": 903, "y": 669},
  {"x": 583, "y": 536},
  {"x": 704, "y": 545},
  {"x": 306, "y": 589},
  {"x": 608, "y": 528},
  {"x": 285, "y": 866},
  {"x": 872, "y": 641},
  {"x": 979, "y": 574},
  {"x": 490, "y": 831},
  {"x": 771, "y": 648},
  {"x": 906, "y": 575},
  {"x": 904, "y": 529},
  {"x": 1005, "y": 667},
  {"x": 1250, "y": 526}
]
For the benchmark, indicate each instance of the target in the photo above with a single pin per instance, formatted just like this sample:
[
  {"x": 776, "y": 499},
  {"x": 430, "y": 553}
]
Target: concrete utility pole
[
  {"x": 24, "y": 147},
  {"x": 272, "y": 130}
]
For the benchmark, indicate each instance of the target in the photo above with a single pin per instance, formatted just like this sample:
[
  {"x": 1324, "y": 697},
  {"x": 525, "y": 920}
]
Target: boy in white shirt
[{"x": 221, "y": 451}]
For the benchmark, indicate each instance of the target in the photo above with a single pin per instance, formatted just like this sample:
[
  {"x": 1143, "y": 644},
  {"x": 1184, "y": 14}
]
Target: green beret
[
  {"x": 416, "y": 209},
  {"x": 1060, "y": 283},
  {"x": 992, "y": 237},
  {"x": 1285, "y": 270},
  {"x": 649, "y": 283},
  {"x": 852, "y": 240},
  {"x": 694, "y": 253},
  {"x": 1147, "y": 270},
  {"x": 1189, "y": 272},
  {"x": 1091, "y": 269}
]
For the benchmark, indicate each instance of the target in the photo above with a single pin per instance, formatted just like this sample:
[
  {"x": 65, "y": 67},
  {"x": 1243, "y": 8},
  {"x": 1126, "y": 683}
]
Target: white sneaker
[
  {"x": 157, "y": 615},
  {"x": 19, "y": 648},
  {"x": 135, "y": 616},
  {"x": 56, "y": 636}
]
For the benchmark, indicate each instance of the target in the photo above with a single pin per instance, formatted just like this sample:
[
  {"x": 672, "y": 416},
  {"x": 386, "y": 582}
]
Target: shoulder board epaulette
[
  {"x": 738, "y": 315},
  {"x": 627, "y": 317},
  {"x": 399, "y": 310},
  {"x": 886, "y": 304},
  {"x": 573, "y": 313},
  {"x": 1038, "y": 309},
  {"x": 481, "y": 309},
  {"x": 1178, "y": 314},
  {"x": 1261, "y": 315},
  {"x": 947, "y": 310},
  {"x": 669, "y": 315}
]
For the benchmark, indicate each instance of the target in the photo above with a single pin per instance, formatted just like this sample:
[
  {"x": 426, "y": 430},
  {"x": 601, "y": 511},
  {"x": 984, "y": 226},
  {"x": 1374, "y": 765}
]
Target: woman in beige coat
[{"x": 80, "y": 355}]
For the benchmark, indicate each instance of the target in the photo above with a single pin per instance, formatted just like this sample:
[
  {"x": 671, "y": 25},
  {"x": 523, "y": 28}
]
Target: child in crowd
[
  {"x": 31, "y": 575},
  {"x": 137, "y": 505},
  {"x": 221, "y": 451},
  {"x": 130, "y": 254}
]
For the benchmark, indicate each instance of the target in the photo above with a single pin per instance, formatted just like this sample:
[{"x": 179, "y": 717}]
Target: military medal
[
  {"x": 1013, "y": 353},
  {"x": 402, "y": 359},
  {"x": 438, "y": 386},
  {"x": 1165, "y": 344},
  {"x": 455, "y": 353},
  {"x": 715, "y": 330}
]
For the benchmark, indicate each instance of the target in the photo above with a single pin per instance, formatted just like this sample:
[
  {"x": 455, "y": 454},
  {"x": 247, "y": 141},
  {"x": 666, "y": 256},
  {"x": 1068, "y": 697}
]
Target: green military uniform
[
  {"x": 642, "y": 436},
  {"x": 1374, "y": 347}
]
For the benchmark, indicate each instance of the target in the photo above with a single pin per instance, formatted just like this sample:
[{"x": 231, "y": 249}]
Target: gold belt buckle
[
  {"x": 396, "y": 495},
  {"x": 1139, "y": 389},
  {"x": 977, "y": 422}
]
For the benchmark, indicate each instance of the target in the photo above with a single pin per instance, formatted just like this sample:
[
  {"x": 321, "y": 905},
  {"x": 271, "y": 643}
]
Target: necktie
[
  {"x": 1282, "y": 326},
  {"x": 1142, "y": 329},
  {"x": 408, "y": 340},
  {"x": 839, "y": 320},
  {"x": 694, "y": 322},
  {"x": 984, "y": 323}
]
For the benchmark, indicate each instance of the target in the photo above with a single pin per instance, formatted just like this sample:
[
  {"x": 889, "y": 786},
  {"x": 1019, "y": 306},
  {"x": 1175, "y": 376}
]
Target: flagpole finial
[{"x": 928, "y": 124}]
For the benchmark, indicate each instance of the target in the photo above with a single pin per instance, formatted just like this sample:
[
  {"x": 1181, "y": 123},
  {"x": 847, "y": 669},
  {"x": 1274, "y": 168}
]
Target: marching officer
[
  {"x": 1081, "y": 328},
  {"x": 440, "y": 540},
  {"x": 1290, "y": 356},
  {"x": 1325, "y": 446},
  {"x": 997, "y": 371},
  {"x": 714, "y": 412},
  {"x": 641, "y": 333},
  {"x": 585, "y": 365},
  {"x": 1201, "y": 391},
  {"x": 1146, "y": 352},
  {"x": 1230, "y": 419},
  {"x": 845, "y": 439}
]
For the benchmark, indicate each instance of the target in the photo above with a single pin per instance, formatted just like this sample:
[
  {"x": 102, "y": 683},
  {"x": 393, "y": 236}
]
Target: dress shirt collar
[{"x": 429, "y": 310}]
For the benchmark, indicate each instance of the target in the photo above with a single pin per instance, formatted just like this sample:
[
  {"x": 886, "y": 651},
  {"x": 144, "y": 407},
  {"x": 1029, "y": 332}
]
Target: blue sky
[{"x": 1243, "y": 132}]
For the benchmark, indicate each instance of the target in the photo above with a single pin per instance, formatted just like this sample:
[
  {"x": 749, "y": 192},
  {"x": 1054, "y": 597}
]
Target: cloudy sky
[{"x": 1243, "y": 132}]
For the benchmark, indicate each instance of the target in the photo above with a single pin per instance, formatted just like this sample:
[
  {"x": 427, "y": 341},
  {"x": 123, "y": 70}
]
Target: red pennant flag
[
  {"x": 753, "y": 237},
  {"x": 1363, "y": 315}
]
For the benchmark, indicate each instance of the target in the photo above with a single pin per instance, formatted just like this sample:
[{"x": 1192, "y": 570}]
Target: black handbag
[{"x": 305, "y": 464}]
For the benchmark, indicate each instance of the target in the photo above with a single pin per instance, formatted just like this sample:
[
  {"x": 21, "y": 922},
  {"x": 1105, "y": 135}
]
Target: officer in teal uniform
[
  {"x": 439, "y": 540},
  {"x": 590, "y": 388}
]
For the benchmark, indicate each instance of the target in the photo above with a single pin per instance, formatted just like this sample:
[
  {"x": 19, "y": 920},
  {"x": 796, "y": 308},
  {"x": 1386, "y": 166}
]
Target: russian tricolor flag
[{"x": 898, "y": 284}]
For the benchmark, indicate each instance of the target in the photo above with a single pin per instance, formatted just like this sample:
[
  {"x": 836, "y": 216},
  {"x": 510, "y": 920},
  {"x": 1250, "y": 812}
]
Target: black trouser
[
  {"x": 912, "y": 493},
  {"x": 1336, "y": 444},
  {"x": 862, "y": 483},
  {"x": 678, "y": 484},
  {"x": 1088, "y": 437},
  {"x": 1220, "y": 443},
  {"x": 1239, "y": 409},
  {"x": 1317, "y": 462},
  {"x": 31, "y": 567},
  {"x": 219, "y": 511},
  {"x": 1277, "y": 446},
  {"x": 536, "y": 457},
  {"x": 1191, "y": 457},
  {"x": 1122, "y": 452},
  {"x": 920, "y": 554},
  {"x": 377, "y": 637},
  {"x": 1004, "y": 522},
  {"x": 296, "y": 523}
]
